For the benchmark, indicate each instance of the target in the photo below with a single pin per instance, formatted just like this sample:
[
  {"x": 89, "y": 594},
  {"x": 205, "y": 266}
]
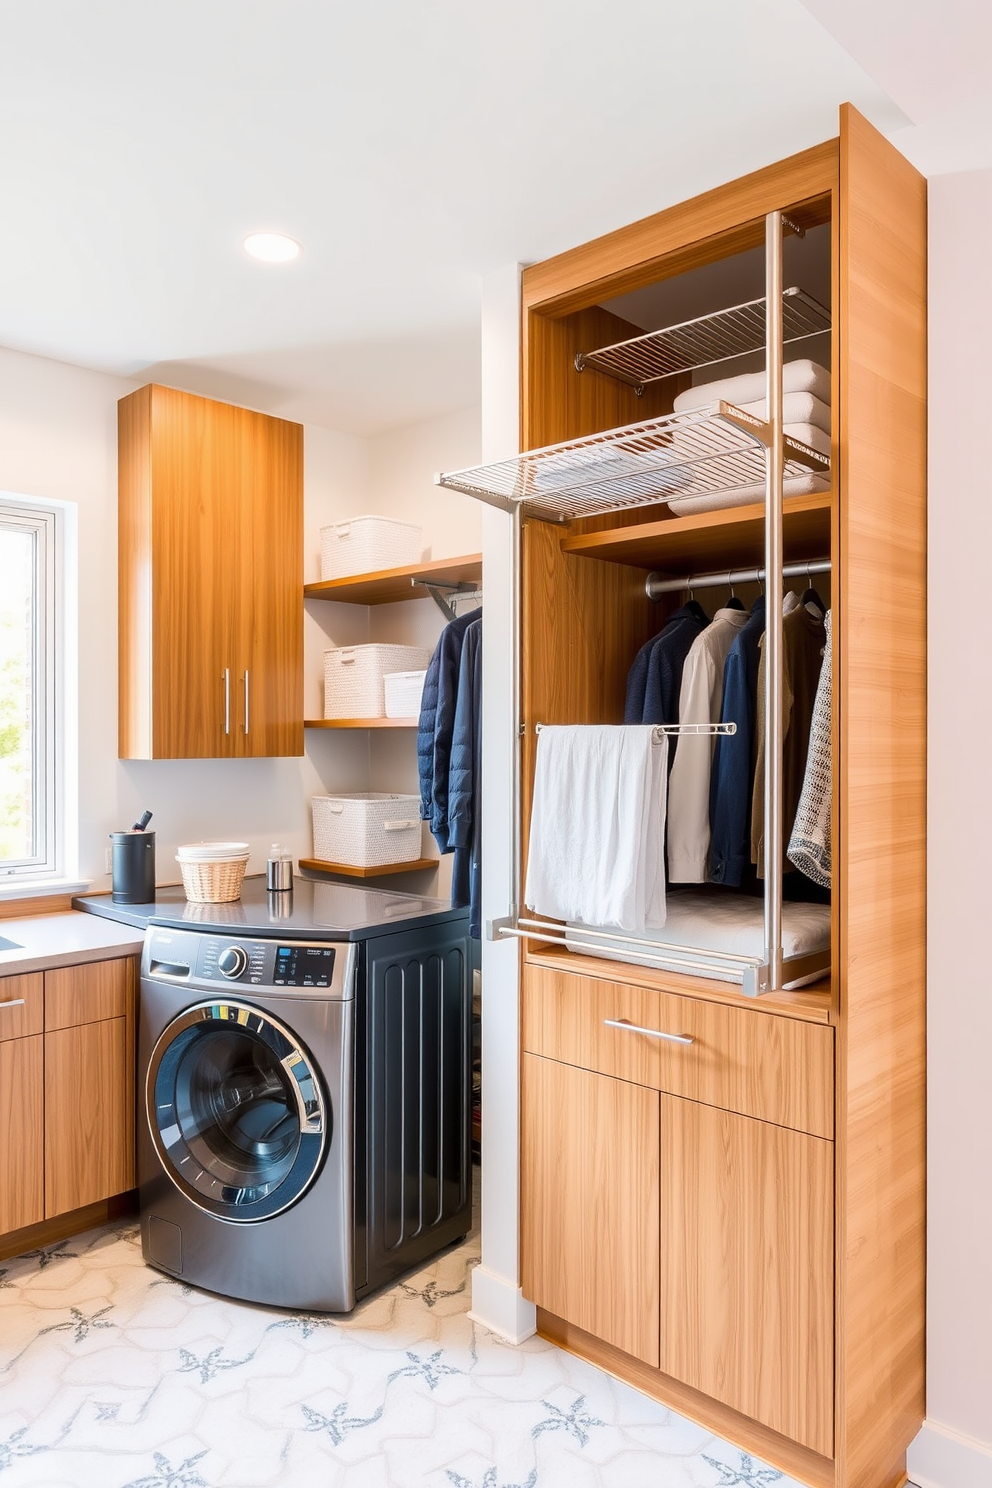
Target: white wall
[
  {"x": 58, "y": 441},
  {"x": 954, "y": 1450}
]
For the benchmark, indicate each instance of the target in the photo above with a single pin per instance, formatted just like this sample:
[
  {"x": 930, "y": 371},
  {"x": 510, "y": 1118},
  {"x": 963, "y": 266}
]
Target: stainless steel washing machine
[{"x": 304, "y": 1107}]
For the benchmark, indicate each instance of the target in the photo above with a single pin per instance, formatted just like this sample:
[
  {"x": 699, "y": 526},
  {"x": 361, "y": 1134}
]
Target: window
[{"x": 29, "y": 536}]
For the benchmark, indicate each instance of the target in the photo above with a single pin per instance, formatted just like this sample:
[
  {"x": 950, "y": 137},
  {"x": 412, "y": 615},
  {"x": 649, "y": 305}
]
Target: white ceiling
[{"x": 411, "y": 148}]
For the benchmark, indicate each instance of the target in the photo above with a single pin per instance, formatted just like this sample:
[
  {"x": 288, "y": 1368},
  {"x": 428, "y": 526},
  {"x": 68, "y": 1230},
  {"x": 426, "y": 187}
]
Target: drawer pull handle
[
  {"x": 14, "y": 1002},
  {"x": 672, "y": 1038}
]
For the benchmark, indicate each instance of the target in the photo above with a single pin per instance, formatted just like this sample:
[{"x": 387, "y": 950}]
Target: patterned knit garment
[{"x": 809, "y": 846}]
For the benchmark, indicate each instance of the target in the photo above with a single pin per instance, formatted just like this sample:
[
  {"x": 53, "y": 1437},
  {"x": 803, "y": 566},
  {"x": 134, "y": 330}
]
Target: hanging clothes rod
[
  {"x": 671, "y": 730},
  {"x": 655, "y": 586}
]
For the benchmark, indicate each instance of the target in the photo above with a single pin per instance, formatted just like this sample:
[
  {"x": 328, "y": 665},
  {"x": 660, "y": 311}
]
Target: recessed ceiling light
[{"x": 272, "y": 247}]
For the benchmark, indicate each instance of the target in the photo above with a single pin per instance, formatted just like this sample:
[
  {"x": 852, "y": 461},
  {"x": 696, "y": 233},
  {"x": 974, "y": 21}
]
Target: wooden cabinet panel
[
  {"x": 747, "y": 1267},
  {"x": 22, "y": 1009},
  {"x": 589, "y": 1203},
  {"x": 89, "y": 1119},
  {"x": 22, "y": 1116},
  {"x": 86, "y": 994},
  {"x": 775, "y": 1068},
  {"x": 210, "y": 556}
]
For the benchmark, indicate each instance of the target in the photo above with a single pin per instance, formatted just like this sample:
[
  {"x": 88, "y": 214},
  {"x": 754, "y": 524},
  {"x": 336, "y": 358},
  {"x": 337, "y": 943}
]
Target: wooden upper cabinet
[{"x": 210, "y": 569}]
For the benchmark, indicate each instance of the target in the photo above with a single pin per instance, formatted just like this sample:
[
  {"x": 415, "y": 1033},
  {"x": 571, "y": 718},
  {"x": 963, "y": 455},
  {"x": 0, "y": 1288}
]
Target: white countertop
[{"x": 67, "y": 939}]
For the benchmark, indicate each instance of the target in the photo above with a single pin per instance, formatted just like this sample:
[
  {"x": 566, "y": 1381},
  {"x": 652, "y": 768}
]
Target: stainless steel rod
[
  {"x": 585, "y": 932},
  {"x": 774, "y": 483},
  {"x": 516, "y": 790},
  {"x": 655, "y": 586},
  {"x": 672, "y": 1038},
  {"x": 704, "y": 967}
]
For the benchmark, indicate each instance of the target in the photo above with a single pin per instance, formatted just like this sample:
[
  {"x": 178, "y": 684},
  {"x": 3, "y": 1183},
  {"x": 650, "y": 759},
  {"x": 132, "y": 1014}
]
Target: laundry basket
[
  {"x": 353, "y": 677},
  {"x": 213, "y": 872},
  {"x": 368, "y": 544},
  {"x": 366, "y": 829}
]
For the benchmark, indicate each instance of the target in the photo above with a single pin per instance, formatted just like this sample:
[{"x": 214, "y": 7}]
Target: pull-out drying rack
[
  {"x": 679, "y": 455},
  {"x": 708, "y": 451},
  {"x": 705, "y": 341}
]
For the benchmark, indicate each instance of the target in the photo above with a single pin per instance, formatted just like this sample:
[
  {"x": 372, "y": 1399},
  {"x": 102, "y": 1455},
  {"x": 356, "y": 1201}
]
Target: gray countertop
[{"x": 42, "y": 942}]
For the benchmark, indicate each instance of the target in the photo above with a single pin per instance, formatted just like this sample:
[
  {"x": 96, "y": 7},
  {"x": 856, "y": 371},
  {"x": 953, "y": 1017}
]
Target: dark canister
[{"x": 132, "y": 867}]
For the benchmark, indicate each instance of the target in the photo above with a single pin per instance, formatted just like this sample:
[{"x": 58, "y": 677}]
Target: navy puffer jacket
[{"x": 437, "y": 721}]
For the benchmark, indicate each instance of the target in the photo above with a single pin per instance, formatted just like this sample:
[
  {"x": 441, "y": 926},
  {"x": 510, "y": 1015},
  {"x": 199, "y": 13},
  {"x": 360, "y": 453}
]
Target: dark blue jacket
[
  {"x": 465, "y": 781},
  {"x": 732, "y": 773},
  {"x": 437, "y": 719},
  {"x": 665, "y": 664}
]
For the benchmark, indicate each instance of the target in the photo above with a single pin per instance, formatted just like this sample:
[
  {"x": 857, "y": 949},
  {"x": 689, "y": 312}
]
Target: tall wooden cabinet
[
  {"x": 735, "y": 1221},
  {"x": 210, "y": 569}
]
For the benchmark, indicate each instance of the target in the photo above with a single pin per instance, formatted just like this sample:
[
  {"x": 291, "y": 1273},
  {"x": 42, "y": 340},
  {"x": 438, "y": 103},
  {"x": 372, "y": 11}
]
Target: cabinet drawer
[
  {"x": 759, "y": 1064},
  {"x": 86, "y": 994},
  {"x": 21, "y": 1006}
]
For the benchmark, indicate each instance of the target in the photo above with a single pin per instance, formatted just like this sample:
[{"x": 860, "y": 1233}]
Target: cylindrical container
[
  {"x": 132, "y": 859},
  {"x": 278, "y": 870}
]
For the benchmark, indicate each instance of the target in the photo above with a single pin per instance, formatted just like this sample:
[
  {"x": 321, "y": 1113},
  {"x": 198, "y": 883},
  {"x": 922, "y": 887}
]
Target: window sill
[{"x": 39, "y": 888}]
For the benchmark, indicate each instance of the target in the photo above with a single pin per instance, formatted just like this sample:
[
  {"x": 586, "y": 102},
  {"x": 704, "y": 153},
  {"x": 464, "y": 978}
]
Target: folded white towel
[
  {"x": 801, "y": 376},
  {"x": 811, "y": 435},
  {"x": 797, "y": 408},
  {"x": 799, "y": 485},
  {"x": 597, "y": 827}
]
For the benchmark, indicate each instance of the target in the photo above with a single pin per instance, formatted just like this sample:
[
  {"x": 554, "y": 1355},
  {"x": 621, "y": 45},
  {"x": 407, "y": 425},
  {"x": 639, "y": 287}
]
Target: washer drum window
[{"x": 236, "y": 1111}]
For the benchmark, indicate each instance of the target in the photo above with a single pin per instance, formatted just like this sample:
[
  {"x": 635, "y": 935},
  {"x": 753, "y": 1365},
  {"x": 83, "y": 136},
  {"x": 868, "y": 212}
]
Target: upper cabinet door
[
  {"x": 211, "y": 514},
  {"x": 269, "y": 667}
]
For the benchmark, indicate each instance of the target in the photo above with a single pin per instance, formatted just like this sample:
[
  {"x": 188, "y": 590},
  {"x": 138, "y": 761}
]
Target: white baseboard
[
  {"x": 941, "y": 1458},
  {"x": 501, "y": 1307}
]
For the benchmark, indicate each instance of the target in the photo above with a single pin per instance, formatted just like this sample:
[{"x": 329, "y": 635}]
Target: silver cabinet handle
[
  {"x": 672, "y": 1038},
  {"x": 14, "y": 1002},
  {"x": 246, "y": 700},
  {"x": 227, "y": 700}
]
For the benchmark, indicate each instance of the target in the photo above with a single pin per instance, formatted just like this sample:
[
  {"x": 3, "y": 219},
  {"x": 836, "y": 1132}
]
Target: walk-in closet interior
[{"x": 722, "y": 1149}]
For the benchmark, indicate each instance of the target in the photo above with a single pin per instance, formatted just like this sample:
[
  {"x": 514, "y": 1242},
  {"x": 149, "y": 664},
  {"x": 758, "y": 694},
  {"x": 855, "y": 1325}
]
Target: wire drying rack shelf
[
  {"x": 698, "y": 453},
  {"x": 706, "y": 341}
]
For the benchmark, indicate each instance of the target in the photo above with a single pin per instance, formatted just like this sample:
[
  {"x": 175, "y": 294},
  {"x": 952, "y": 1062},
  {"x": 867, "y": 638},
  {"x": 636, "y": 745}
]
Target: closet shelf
[
  {"x": 730, "y": 538},
  {"x": 706, "y": 341},
  {"x": 320, "y": 865},
  {"x": 703, "y": 452},
  {"x": 360, "y": 723},
  {"x": 390, "y": 585}
]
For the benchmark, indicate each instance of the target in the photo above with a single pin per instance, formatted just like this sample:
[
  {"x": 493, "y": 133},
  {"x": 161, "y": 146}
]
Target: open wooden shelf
[
  {"x": 360, "y": 723},
  {"x": 732, "y": 537},
  {"x": 393, "y": 584},
  {"x": 318, "y": 865}
]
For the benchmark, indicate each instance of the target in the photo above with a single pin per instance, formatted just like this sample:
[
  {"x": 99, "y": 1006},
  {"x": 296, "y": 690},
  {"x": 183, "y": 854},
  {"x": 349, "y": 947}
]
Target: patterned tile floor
[{"x": 113, "y": 1376}]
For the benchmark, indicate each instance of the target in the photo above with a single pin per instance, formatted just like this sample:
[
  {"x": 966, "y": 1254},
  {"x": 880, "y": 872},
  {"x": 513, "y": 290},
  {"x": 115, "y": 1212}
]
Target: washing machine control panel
[{"x": 181, "y": 956}]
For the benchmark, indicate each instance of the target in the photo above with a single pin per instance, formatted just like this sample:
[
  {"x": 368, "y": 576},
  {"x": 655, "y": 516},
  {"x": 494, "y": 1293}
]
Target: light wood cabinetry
[
  {"x": 66, "y": 1090},
  {"x": 790, "y": 1135},
  {"x": 589, "y": 1201},
  {"x": 210, "y": 564}
]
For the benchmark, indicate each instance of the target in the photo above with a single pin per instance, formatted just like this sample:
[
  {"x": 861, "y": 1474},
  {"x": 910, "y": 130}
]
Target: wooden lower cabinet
[
  {"x": 22, "y": 1122},
  {"x": 747, "y": 1267},
  {"x": 589, "y": 1202},
  {"x": 88, "y": 1144}
]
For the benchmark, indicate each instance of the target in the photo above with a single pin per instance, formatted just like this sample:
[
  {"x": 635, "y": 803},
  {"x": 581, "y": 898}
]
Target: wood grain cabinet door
[
  {"x": 269, "y": 660},
  {"x": 22, "y": 1119},
  {"x": 747, "y": 1267},
  {"x": 589, "y": 1203},
  {"x": 89, "y": 1138}
]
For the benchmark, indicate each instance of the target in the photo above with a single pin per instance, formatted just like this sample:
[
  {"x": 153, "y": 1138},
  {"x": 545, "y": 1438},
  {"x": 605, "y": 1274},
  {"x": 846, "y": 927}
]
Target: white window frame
[{"x": 47, "y": 523}]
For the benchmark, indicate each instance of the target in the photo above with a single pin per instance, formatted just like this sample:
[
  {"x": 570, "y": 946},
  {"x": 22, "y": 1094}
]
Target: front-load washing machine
[{"x": 304, "y": 1106}]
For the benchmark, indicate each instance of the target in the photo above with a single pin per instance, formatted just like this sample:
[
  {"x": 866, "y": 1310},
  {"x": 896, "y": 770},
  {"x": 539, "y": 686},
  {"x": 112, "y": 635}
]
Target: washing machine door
[{"x": 236, "y": 1111}]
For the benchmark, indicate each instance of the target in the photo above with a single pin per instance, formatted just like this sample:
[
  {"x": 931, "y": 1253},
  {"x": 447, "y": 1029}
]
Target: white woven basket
[
  {"x": 366, "y": 829},
  {"x": 353, "y": 685},
  {"x": 213, "y": 881},
  {"x": 368, "y": 544},
  {"x": 403, "y": 692}
]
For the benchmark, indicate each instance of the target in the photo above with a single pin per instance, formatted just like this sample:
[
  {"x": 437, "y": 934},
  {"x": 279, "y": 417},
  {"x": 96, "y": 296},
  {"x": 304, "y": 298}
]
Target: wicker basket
[
  {"x": 403, "y": 691},
  {"x": 367, "y": 545},
  {"x": 353, "y": 685},
  {"x": 213, "y": 872},
  {"x": 366, "y": 829}
]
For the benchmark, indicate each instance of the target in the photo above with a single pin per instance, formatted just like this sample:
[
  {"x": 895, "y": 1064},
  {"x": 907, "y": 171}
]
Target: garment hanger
[
  {"x": 733, "y": 603},
  {"x": 811, "y": 599},
  {"x": 693, "y": 605}
]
